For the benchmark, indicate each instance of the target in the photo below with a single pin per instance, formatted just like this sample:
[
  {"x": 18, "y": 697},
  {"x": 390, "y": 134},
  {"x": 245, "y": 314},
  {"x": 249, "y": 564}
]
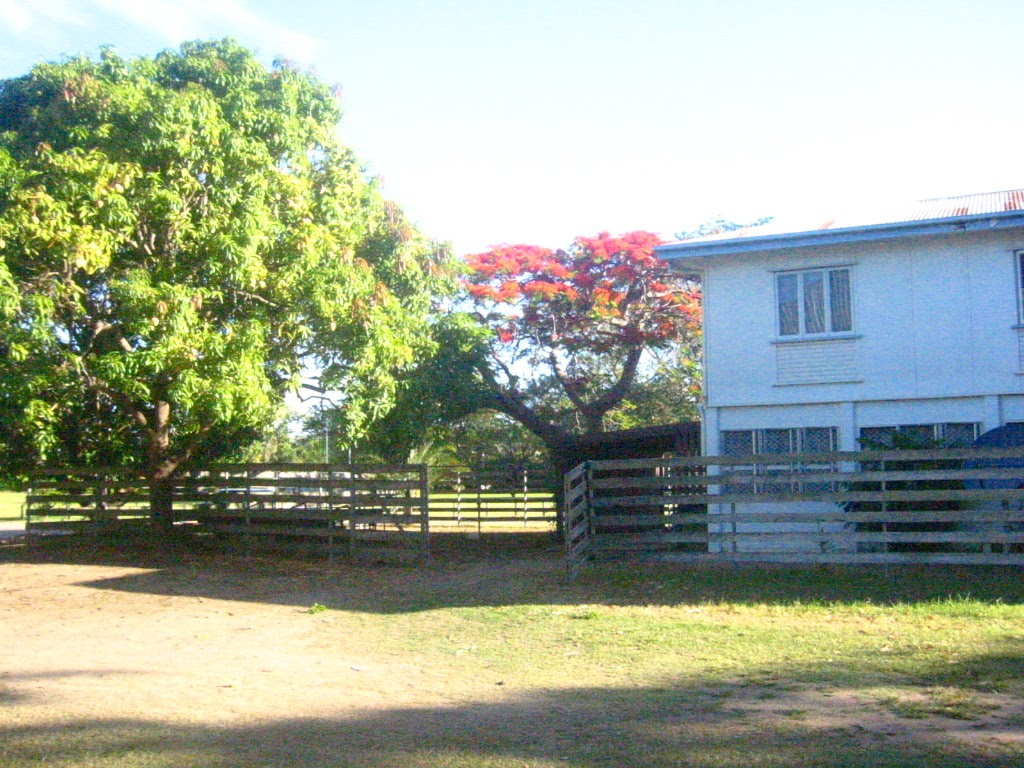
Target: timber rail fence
[
  {"x": 487, "y": 498},
  {"x": 336, "y": 505},
  {"x": 310, "y": 505},
  {"x": 961, "y": 506}
]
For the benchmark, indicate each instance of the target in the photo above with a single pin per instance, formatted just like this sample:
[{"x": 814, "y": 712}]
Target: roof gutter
[{"x": 865, "y": 234}]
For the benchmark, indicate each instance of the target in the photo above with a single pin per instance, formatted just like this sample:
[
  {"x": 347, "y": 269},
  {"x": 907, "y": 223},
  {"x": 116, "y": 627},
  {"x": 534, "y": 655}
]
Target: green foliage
[
  {"x": 489, "y": 439},
  {"x": 179, "y": 237},
  {"x": 561, "y": 343},
  {"x": 667, "y": 390},
  {"x": 444, "y": 388},
  {"x": 277, "y": 444}
]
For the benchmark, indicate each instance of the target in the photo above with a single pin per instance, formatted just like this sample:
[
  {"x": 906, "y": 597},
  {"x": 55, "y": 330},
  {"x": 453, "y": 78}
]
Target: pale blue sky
[{"x": 537, "y": 120}]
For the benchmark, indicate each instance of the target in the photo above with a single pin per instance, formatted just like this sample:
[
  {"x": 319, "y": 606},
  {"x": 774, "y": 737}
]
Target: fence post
[
  {"x": 97, "y": 495},
  {"x": 425, "y": 509},
  {"x": 458, "y": 497},
  {"x": 328, "y": 510},
  {"x": 885, "y": 508},
  {"x": 577, "y": 519},
  {"x": 479, "y": 501},
  {"x": 352, "y": 512}
]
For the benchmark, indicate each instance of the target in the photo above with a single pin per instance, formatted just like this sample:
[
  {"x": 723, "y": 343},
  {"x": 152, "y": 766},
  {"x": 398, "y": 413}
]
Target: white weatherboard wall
[{"x": 934, "y": 339}]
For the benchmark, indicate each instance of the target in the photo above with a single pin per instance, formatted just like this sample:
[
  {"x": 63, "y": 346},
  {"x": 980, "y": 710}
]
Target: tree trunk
[
  {"x": 562, "y": 465},
  {"x": 160, "y": 469},
  {"x": 161, "y": 504}
]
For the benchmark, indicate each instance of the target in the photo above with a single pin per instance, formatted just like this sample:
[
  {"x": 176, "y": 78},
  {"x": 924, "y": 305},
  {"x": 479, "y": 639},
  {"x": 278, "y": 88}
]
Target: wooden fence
[
  {"x": 938, "y": 506},
  {"x": 480, "y": 498},
  {"x": 323, "y": 506},
  {"x": 78, "y": 500}
]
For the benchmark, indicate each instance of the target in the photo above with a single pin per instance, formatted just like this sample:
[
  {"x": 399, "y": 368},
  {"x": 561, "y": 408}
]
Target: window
[
  {"x": 950, "y": 435},
  {"x": 1020, "y": 285},
  {"x": 814, "y": 302},
  {"x": 743, "y": 442},
  {"x": 775, "y": 441}
]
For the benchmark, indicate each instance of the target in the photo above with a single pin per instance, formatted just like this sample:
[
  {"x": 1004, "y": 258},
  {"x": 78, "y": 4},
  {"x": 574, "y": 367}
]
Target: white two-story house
[{"x": 816, "y": 339}]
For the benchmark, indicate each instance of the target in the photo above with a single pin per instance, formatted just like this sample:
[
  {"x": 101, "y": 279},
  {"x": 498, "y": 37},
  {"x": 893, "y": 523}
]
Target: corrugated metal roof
[
  {"x": 970, "y": 205},
  {"x": 982, "y": 204}
]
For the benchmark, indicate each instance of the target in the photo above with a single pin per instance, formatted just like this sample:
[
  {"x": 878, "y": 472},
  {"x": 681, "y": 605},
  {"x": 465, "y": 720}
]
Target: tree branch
[
  {"x": 618, "y": 392},
  {"x": 102, "y": 388},
  {"x": 568, "y": 386}
]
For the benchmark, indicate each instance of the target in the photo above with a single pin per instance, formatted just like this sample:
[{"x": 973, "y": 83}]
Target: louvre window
[
  {"x": 950, "y": 435},
  {"x": 743, "y": 442},
  {"x": 749, "y": 442}
]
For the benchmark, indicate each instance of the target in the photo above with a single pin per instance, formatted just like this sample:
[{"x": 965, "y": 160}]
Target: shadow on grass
[
  {"x": 500, "y": 570},
  {"x": 588, "y": 728}
]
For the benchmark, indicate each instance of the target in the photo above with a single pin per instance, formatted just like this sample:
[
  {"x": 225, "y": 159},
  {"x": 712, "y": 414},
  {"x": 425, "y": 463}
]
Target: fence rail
[
  {"x": 936, "y": 506},
  {"x": 326, "y": 506},
  {"x": 486, "y": 498},
  {"x": 340, "y": 504}
]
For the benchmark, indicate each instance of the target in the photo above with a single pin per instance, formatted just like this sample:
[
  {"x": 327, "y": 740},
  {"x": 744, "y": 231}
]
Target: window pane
[
  {"x": 737, "y": 443},
  {"x": 814, "y": 302},
  {"x": 960, "y": 435},
  {"x": 777, "y": 441},
  {"x": 1020, "y": 285},
  {"x": 916, "y": 436},
  {"x": 818, "y": 439},
  {"x": 789, "y": 306},
  {"x": 876, "y": 437},
  {"x": 839, "y": 298}
]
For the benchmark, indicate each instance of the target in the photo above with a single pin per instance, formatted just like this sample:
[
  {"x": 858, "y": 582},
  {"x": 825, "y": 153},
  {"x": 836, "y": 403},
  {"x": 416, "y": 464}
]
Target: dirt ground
[
  {"x": 198, "y": 639},
  {"x": 211, "y": 658}
]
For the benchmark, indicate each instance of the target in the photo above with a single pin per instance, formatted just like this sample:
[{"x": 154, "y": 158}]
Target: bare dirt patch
[{"x": 143, "y": 657}]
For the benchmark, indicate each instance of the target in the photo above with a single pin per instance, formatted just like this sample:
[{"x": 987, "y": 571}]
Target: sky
[{"x": 534, "y": 121}]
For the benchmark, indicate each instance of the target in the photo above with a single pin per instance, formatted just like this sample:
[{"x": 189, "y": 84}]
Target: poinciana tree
[
  {"x": 555, "y": 339},
  {"x": 585, "y": 314}
]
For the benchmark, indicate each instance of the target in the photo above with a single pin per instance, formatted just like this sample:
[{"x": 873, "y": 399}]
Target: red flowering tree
[{"x": 577, "y": 320}]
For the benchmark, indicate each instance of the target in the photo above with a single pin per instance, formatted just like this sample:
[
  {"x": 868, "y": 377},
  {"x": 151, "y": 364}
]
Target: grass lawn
[
  {"x": 495, "y": 660},
  {"x": 10, "y": 505}
]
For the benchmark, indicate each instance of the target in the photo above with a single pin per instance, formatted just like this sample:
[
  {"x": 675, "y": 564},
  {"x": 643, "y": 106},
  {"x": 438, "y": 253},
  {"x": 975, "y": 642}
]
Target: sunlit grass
[
  {"x": 936, "y": 643},
  {"x": 624, "y": 666},
  {"x": 11, "y": 505}
]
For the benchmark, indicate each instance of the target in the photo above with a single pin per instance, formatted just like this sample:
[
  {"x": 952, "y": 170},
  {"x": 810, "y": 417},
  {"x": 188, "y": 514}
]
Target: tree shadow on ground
[
  {"x": 587, "y": 728},
  {"x": 500, "y": 570},
  {"x": 143, "y": 548},
  {"x": 13, "y": 690}
]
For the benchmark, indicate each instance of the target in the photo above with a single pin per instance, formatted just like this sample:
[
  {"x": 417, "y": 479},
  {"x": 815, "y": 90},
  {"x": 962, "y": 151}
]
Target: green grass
[
  {"x": 625, "y": 666},
  {"x": 663, "y": 667},
  {"x": 10, "y": 505},
  {"x": 960, "y": 643}
]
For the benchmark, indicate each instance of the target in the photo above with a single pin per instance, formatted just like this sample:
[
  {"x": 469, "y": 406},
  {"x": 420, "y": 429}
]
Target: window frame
[
  {"x": 797, "y": 439},
  {"x": 826, "y": 273},
  {"x": 941, "y": 432},
  {"x": 1018, "y": 271}
]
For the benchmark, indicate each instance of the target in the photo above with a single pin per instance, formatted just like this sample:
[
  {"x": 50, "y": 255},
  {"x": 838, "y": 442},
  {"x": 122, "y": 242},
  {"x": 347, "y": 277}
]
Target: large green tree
[{"x": 179, "y": 237}]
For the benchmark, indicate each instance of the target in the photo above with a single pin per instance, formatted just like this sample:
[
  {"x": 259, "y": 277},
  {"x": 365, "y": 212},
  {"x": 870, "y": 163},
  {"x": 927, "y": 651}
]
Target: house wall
[{"x": 935, "y": 339}]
